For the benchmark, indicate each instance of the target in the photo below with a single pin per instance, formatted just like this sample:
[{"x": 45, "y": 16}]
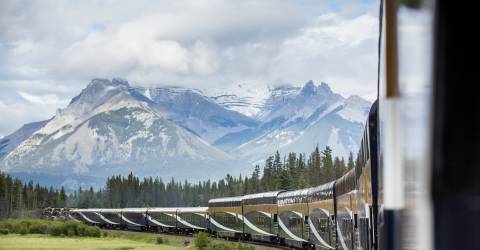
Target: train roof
[
  {"x": 324, "y": 187},
  {"x": 110, "y": 210},
  {"x": 192, "y": 209},
  {"x": 349, "y": 175},
  {"x": 294, "y": 193},
  {"x": 86, "y": 210},
  {"x": 135, "y": 210},
  {"x": 226, "y": 199},
  {"x": 263, "y": 195},
  {"x": 163, "y": 209}
]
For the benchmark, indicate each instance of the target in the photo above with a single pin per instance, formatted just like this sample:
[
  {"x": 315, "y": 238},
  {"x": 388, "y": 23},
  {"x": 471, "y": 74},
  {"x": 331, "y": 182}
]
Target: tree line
[
  {"x": 17, "y": 197},
  {"x": 292, "y": 171}
]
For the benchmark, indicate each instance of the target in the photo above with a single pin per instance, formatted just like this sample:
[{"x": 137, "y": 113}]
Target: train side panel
[
  {"x": 260, "y": 219},
  {"x": 192, "y": 219},
  {"x": 225, "y": 216},
  {"x": 321, "y": 216},
  {"x": 293, "y": 229},
  {"x": 162, "y": 219}
]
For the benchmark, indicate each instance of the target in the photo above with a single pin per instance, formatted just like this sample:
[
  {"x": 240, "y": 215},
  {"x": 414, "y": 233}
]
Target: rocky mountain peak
[
  {"x": 99, "y": 90},
  {"x": 102, "y": 83},
  {"x": 310, "y": 89}
]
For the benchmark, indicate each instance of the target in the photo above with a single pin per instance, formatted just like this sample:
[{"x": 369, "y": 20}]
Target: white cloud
[
  {"x": 50, "y": 50},
  {"x": 339, "y": 51},
  {"x": 17, "y": 113},
  {"x": 40, "y": 99},
  {"x": 204, "y": 58}
]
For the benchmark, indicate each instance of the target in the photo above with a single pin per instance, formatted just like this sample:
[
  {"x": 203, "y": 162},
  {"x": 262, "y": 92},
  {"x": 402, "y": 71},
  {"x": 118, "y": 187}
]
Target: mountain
[
  {"x": 110, "y": 129},
  {"x": 196, "y": 112},
  {"x": 247, "y": 99},
  {"x": 114, "y": 128},
  {"x": 297, "y": 119},
  {"x": 9, "y": 143}
]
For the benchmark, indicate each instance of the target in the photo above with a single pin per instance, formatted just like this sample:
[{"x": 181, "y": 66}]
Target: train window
[
  {"x": 323, "y": 225},
  {"x": 364, "y": 151},
  {"x": 306, "y": 219},
  {"x": 355, "y": 220},
  {"x": 368, "y": 142}
]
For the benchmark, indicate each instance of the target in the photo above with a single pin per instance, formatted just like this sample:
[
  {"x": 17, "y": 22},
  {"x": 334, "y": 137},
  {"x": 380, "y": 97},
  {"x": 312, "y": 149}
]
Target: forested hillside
[
  {"x": 292, "y": 171},
  {"x": 17, "y": 197}
]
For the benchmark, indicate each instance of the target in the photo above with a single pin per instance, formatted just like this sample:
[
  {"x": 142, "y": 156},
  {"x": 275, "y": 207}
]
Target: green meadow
[
  {"x": 46, "y": 234},
  {"x": 39, "y": 241}
]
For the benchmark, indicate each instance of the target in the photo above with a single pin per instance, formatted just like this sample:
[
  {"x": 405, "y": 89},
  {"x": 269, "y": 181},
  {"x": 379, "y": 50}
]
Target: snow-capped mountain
[
  {"x": 9, "y": 143},
  {"x": 196, "y": 112},
  {"x": 247, "y": 99},
  {"x": 112, "y": 127},
  {"x": 297, "y": 119}
]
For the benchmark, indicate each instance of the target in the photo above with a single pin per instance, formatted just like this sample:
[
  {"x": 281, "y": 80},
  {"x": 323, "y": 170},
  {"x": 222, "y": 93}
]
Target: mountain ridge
[{"x": 113, "y": 127}]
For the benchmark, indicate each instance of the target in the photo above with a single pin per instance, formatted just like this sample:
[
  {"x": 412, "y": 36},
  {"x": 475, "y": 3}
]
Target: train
[{"x": 342, "y": 214}]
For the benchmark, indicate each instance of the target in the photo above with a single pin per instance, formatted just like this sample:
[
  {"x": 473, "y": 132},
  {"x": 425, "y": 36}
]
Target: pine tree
[
  {"x": 277, "y": 172},
  {"x": 337, "y": 167},
  {"x": 350, "y": 163},
  {"x": 62, "y": 198},
  {"x": 328, "y": 170},
  {"x": 268, "y": 178},
  {"x": 343, "y": 167},
  {"x": 314, "y": 168},
  {"x": 256, "y": 180}
]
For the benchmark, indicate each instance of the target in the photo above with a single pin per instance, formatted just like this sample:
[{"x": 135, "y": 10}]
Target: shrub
[
  {"x": 4, "y": 231},
  {"x": 70, "y": 228},
  {"x": 71, "y": 232},
  {"x": 21, "y": 228},
  {"x": 5, "y": 225},
  {"x": 92, "y": 231},
  {"x": 16, "y": 227},
  {"x": 201, "y": 240},
  {"x": 81, "y": 230},
  {"x": 159, "y": 240},
  {"x": 23, "y": 231},
  {"x": 55, "y": 229},
  {"x": 38, "y": 227}
]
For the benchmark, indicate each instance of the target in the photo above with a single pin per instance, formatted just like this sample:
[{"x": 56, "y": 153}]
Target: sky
[{"x": 50, "y": 50}]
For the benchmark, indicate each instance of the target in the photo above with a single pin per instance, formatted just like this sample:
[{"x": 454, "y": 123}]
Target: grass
[
  {"x": 54, "y": 228},
  {"x": 39, "y": 241},
  {"x": 144, "y": 237},
  {"x": 46, "y": 234}
]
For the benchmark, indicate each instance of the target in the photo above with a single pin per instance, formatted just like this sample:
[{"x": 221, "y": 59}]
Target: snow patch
[{"x": 335, "y": 144}]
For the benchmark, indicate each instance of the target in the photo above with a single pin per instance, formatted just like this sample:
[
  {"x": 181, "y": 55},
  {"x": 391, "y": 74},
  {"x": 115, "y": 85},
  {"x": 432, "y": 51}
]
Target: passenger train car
[
  {"x": 292, "y": 214},
  {"x": 162, "y": 219},
  {"x": 321, "y": 216},
  {"x": 260, "y": 216},
  {"x": 225, "y": 215}
]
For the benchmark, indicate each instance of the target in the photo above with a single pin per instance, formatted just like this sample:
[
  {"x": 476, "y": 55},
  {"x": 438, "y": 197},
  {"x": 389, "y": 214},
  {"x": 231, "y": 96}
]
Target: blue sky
[{"x": 49, "y": 50}]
